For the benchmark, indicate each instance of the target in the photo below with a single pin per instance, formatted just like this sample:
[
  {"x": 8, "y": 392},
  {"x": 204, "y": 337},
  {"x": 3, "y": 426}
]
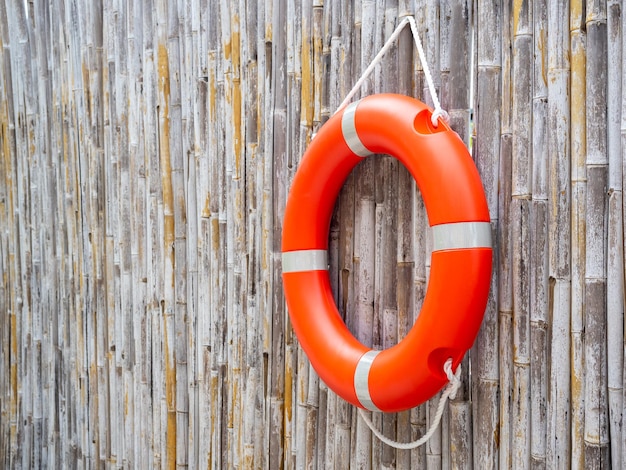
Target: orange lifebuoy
[{"x": 410, "y": 372}]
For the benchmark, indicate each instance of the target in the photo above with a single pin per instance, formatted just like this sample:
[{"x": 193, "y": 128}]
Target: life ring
[{"x": 411, "y": 372}]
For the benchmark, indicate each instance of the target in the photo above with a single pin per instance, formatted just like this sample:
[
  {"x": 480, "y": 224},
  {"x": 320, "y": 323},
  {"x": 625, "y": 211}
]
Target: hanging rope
[
  {"x": 454, "y": 379},
  {"x": 448, "y": 393},
  {"x": 438, "y": 111}
]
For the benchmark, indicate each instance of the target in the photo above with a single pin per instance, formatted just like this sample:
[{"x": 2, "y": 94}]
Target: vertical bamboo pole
[
  {"x": 596, "y": 432},
  {"x": 559, "y": 239},
  {"x": 168, "y": 106},
  {"x": 486, "y": 144},
  {"x": 506, "y": 252},
  {"x": 577, "y": 44},
  {"x": 521, "y": 226},
  {"x": 385, "y": 332},
  {"x": 193, "y": 74},
  {"x": 342, "y": 55},
  {"x": 294, "y": 151},
  {"x": 458, "y": 40},
  {"x": 11, "y": 284},
  {"x": 7, "y": 298},
  {"x": 431, "y": 42},
  {"x": 539, "y": 338},
  {"x": 405, "y": 257},
  {"x": 361, "y": 317},
  {"x": 623, "y": 146},
  {"x": 615, "y": 241},
  {"x": 279, "y": 175}
]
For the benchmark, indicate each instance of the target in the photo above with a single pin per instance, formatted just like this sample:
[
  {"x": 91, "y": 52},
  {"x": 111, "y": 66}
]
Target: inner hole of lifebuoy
[{"x": 379, "y": 257}]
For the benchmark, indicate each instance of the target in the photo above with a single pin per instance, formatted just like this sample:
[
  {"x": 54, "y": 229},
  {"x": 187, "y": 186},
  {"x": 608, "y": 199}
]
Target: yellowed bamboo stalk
[{"x": 578, "y": 207}]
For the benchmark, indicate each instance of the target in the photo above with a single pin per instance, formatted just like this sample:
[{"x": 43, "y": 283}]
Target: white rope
[
  {"x": 438, "y": 111},
  {"x": 449, "y": 392}
]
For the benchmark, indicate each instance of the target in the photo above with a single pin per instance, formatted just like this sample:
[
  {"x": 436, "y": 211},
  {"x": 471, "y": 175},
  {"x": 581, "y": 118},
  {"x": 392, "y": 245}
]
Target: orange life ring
[{"x": 411, "y": 372}]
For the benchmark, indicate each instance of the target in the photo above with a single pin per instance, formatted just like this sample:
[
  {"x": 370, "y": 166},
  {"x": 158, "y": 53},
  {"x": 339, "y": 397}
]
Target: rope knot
[
  {"x": 448, "y": 393},
  {"x": 453, "y": 378}
]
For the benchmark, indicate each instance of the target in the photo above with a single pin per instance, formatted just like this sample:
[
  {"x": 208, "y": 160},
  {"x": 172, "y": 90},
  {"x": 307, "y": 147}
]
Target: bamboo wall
[{"x": 146, "y": 150}]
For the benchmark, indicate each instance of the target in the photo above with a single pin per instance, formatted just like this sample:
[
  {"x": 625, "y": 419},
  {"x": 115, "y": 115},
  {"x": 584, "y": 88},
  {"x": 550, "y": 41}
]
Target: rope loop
[
  {"x": 448, "y": 393},
  {"x": 438, "y": 112}
]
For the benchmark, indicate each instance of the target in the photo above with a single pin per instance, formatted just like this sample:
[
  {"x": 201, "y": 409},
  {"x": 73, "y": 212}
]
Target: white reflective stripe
[
  {"x": 361, "y": 382},
  {"x": 305, "y": 260},
  {"x": 461, "y": 235},
  {"x": 348, "y": 129}
]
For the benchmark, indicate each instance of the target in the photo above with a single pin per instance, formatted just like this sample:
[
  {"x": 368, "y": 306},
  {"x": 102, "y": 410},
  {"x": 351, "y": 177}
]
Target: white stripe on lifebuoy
[
  {"x": 461, "y": 235},
  {"x": 305, "y": 260},
  {"x": 361, "y": 383},
  {"x": 348, "y": 129}
]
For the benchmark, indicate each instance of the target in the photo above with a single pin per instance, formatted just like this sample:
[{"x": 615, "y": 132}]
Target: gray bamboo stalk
[
  {"x": 278, "y": 117},
  {"x": 558, "y": 426},
  {"x": 455, "y": 34},
  {"x": 361, "y": 317},
  {"x": 539, "y": 314},
  {"x": 506, "y": 251},
  {"x": 385, "y": 333},
  {"x": 430, "y": 35},
  {"x": 615, "y": 242},
  {"x": 486, "y": 145},
  {"x": 522, "y": 82},
  {"x": 623, "y": 146},
  {"x": 596, "y": 430}
]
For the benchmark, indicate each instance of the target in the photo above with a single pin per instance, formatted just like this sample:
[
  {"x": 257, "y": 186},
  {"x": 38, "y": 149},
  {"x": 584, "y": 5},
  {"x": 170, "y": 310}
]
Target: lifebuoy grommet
[{"x": 411, "y": 372}]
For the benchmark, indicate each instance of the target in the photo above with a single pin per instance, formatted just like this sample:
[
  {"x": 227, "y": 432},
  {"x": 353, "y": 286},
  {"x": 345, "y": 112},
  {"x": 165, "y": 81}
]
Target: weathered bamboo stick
[
  {"x": 405, "y": 257},
  {"x": 11, "y": 287},
  {"x": 623, "y": 146},
  {"x": 578, "y": 197},
  {"x": 522, "y": 93},
  {"x": 539, "y": 251},
  {"x": 615, "y": 241},
  {"x": 596, "y": 432},
  {"x": 455, "y": 59},
  {"x": 486, "y": 148},
  {"x": 278, "y": 116},
  {"x": 360, "y": 315},
  {"x": 558, "y": 216}
]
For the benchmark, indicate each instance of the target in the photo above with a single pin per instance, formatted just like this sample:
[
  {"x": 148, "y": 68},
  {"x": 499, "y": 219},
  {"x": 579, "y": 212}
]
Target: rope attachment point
[{"x": 449, "y": 393}]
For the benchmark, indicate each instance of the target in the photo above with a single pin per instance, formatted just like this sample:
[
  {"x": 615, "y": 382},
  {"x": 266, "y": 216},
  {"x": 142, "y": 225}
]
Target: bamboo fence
[{"x": 146, "y": 152}]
